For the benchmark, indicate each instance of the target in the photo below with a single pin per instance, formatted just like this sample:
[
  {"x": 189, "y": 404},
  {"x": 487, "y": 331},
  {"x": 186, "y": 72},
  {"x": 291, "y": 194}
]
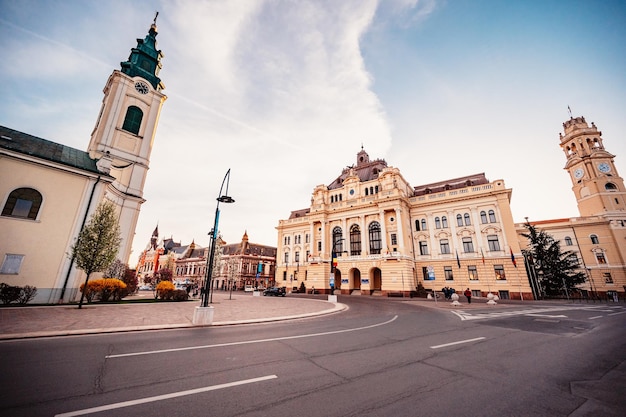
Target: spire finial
[
  {"x": 155, "y": 17},
  {"x": 569, "y": 111}
]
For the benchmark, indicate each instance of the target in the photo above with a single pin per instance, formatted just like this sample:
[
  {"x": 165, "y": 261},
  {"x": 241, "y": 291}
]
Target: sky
[{"x": 284, "y": 93}]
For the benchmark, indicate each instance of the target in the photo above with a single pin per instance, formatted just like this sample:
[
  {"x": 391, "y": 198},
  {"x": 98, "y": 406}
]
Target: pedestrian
[
  {"x": 468, "y": 294},
  {"x": 313, "y": 290}
]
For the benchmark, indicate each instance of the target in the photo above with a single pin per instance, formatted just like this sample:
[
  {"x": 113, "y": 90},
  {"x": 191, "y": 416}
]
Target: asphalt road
[{"x": 379, "y": 358}]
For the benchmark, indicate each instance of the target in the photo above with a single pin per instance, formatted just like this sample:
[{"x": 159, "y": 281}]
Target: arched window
[
  {"x": 437, "y": 223},
  {"x": 371, "y": 190},
  {"x": 374, "y": 235},
  {"x": 23, "y": 203},
  {"x": 132, "y": 121},
  {"x": 424, "y": 224},
  {"x": 568, "y": 241},
  {"x": 483, "y": 217},
  {"x": 417, "y": 225},
  {"x": 468, "y": 222},
  {"x": 594, "y": 239},
  {"x": 492, "y": 216},
  {"x": 367, "y": 192},
  {"x": 610, "y": 186},
  {"x": 444, "y": 221},
  {"x": 355, "y": 240},
  {"x": 459, "y": 220},
  {"x": 337, "y": 240}
]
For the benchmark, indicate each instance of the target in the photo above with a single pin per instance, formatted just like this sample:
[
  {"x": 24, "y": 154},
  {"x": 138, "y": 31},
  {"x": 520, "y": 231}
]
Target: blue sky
[{"x": 284, "y": 93}]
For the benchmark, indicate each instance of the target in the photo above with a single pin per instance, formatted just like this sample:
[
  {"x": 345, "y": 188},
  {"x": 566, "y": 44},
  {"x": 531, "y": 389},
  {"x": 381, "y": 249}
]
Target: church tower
[
  {"x": 124, "y": 133},
  {"x": 596, "y": 183}
]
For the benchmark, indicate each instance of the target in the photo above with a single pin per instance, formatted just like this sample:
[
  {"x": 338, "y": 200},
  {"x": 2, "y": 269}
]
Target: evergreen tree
[
  {"x": 98, "y": 243},
  {"x": 557, "y": 270}
]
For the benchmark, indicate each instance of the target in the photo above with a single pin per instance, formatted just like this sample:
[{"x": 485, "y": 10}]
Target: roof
[
  {"x": 44, "y": 149},
  {"x": 451, "y": 184},
  {"x": 365, "y": 169}
]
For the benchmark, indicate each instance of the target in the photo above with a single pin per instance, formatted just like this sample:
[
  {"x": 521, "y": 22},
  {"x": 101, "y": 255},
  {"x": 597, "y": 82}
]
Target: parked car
[
  {"x": 248, "y": 288},
  {"x": 275, "y": 291}
]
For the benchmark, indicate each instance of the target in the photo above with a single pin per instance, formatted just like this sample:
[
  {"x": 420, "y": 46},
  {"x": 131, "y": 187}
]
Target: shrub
[
  {"x": 180, "y": 295},
  {"x": 165, "y": 290},
  {"x": 27, "y": 294},
  {"x": 10, "y": 293},
  {"x": 104, "y": 289}
]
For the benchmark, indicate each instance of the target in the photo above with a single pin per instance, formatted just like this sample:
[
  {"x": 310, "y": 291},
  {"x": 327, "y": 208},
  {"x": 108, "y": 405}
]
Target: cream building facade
[
  {"x": 49, "y": 191},
  {"x": 371, "y": 233}
]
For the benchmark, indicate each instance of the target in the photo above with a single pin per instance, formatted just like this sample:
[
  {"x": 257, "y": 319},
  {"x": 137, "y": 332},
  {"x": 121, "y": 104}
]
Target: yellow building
[
  {"x": 371, "y": 233},
  {"x": 49, "y": 191},
  {"x": 598, "y": 236}
]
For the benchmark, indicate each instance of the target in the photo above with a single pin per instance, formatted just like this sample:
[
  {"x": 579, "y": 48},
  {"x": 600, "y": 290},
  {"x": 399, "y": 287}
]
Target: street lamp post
[{"x": 204, "y": 314}]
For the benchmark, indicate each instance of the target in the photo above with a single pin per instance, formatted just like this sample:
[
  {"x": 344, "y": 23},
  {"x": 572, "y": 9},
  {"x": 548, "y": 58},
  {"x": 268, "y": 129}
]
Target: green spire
[{"x": 145, "y": 60}]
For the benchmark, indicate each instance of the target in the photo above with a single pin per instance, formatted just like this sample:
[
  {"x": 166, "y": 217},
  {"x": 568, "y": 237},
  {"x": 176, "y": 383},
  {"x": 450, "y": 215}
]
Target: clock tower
[
  {"x": 124, "y": 133},
  {"x": 596, "y": 183}
]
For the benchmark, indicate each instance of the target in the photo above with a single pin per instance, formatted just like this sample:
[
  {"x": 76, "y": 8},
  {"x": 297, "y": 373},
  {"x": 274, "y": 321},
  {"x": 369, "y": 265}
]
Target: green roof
[{"x": 44, "y": 149}]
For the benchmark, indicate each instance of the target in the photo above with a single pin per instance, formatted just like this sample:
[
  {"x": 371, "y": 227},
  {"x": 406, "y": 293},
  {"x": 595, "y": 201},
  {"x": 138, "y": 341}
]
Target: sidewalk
[{"x": 63, "y": 320}]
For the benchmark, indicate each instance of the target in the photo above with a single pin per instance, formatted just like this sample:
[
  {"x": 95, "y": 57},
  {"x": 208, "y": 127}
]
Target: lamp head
[{"x": 225, "y": 199}]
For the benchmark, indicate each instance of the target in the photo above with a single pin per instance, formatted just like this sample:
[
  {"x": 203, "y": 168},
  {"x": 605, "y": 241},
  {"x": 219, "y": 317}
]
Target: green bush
[{"x": 10, "y": 293}]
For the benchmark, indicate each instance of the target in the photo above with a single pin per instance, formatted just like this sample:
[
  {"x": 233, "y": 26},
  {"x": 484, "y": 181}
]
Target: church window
[
  {"x": 11, "y": 264},
  {"x": 568, "y": 241},
  {"x": 23, "y": 203},
  {"x": 594, "y": 239},
  {"x": 610, "y": 186},
  {"x": 375, "y": 240},
  {"x": 483, "y": 217},
  {"x": 132, "y": 121},
  {"x": 355, "y": 240}
]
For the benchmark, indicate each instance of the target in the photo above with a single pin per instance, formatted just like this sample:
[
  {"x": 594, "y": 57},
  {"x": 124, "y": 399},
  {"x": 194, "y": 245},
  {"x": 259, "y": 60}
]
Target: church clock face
[
  {"x": 578, "y": 173},
  {"x": 142, "y": 87},
  {"x": 604, "y": 167}
]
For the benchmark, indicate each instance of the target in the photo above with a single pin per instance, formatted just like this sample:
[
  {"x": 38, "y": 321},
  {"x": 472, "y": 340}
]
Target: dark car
[{"x": 276, "y": 291}]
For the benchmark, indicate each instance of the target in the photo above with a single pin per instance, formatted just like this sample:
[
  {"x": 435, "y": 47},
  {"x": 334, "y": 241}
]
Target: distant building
[
  {"x": 49, "y": 191},
  {"x": 237, "y": 265}
]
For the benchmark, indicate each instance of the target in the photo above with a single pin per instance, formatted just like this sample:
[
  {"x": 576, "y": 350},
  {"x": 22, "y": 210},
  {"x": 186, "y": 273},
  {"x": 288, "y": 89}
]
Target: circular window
[
  {"x": 391, "y": 219},
  {"x": 351, "y": 192}
]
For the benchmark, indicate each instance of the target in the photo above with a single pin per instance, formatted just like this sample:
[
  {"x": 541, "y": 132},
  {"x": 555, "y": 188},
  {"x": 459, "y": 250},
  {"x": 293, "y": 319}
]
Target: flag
[
  {"x": 513, "y": 258},
  {"x": 483, "y": 255},
  {"x": 458, "y": 262}
]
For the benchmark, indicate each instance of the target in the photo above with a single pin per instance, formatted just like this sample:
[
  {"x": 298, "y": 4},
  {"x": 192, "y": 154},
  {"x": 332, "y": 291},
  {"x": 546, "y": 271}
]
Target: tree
[
  {"x": 558, "y": 270},
  {"x": 98, "y": 243}
]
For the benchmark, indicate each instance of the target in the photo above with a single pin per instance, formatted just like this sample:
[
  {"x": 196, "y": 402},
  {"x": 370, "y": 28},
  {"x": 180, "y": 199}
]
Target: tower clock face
[
  {"x": 604, "y": 167},
  {"x": 578, "y": 173},
  {"x": 142, "y": 87}
]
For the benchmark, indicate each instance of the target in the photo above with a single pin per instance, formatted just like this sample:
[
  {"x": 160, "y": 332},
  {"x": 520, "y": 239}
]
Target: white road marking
[
  {"x": 457, "y": 343},
  {"x": 546, "y": 315},
  {"x": 615, "y": 314},
  {"x": 248, "y": 342},
  {"x": 463, "y": 315},
  {"x": 595, "y": 317},
  {"x": 163, "y": 397}
]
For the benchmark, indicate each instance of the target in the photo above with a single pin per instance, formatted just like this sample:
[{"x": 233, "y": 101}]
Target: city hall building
[{"x": 369, "y": 232}]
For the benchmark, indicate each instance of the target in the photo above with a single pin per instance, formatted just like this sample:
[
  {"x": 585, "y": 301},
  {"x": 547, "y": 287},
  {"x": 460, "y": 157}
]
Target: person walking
[{"x": 468, "y": 294}]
